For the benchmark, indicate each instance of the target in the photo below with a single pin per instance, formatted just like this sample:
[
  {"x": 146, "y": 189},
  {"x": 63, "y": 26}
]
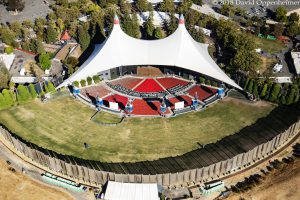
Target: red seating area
[
  {"x": 187, "y": 101},
  {"x": 203, "y": 92},
  {"x": 127, "y": 82},
  {"x": 142, "y": 107},
  {"x": 95, "y": 91},
  {"x": 149, "y": 85},
  {"x": 121, "y": 100},
  {"x": 169, "y": 82}
]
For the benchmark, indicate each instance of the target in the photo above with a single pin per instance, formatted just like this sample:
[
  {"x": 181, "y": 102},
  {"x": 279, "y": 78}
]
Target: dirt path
[{"x": 15, "y": 185}]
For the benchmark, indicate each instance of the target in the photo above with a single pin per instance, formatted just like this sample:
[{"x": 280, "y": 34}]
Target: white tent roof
[
  {"x": 179, "y": 49},
  {"x": 131, "y": 191}
]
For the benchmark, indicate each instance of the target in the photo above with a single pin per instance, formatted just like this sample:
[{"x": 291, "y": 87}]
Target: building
[
  {"x": 295, "y": 54},
  {"x": 177, "y": 54},
  {"x": 7, "y": 59},
  {"x": 131, "y": 191}
]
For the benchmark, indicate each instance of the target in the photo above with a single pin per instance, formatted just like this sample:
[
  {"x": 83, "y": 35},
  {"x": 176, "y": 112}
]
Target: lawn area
[
  {"x": 107, "y": 118},
  {"x": 269, "y": 46},
  {"x": 63, "y": 125}
]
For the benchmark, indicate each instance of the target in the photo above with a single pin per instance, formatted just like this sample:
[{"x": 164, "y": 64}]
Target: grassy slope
[{"x": 64, "y": 125}]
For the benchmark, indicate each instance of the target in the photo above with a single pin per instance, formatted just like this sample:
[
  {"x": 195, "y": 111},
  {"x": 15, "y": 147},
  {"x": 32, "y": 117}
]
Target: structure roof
[
  {"x": 131, "y": 191},
  {"x": 179, "y": 49}
]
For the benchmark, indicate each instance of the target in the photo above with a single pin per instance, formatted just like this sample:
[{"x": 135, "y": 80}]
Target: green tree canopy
[
  {"x": 83, "y": 37},
  {"x": 142, "y": 5},
  {"x": 23, "y": 94},
  {"x": 51, "y": 34},
  {"x": 280, "y": 14},
  {"x": 44, "y": 61},
  {"x": 167, "y": 6}
]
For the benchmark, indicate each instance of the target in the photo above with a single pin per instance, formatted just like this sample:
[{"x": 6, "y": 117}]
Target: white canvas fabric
[
  {"x": 179, "y": 49},
  {"x": 131, "y": 191}
]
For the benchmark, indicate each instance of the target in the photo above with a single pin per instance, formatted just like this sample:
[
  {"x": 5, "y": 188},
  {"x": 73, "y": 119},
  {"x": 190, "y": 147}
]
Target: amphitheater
[{"x": 147, "y": 90}]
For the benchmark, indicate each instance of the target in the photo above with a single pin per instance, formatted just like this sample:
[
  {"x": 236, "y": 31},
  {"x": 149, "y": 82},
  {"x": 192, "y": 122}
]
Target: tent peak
[
  {"x": 116, "y": 20},
  {"x": 181, "y": 19}
]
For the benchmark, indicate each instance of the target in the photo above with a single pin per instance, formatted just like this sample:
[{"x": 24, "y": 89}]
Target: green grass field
[{"x": 63, "y": 125}]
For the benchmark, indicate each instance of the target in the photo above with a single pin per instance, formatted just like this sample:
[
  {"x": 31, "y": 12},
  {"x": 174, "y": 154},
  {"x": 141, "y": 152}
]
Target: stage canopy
[
  {"x": 131, "y": 191},
  {"x": 179, "y": 49}
]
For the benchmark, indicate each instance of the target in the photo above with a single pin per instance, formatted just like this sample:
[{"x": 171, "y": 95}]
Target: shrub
[
  {"x": 89, "y": 80},
  {"x": 51, "y": 87},
  {"x": 9, "y": 50},
  {"x": 215, "y": 84},
  {"x": 208, "y": 82},
  {"x": 83, "y": 83},
  {"x": 44, "y": 61},
  {"x": 23, "y": 94},
  {"x": 32, "y": 91},
  {"x": 264, "y": 90},
  {"x": 290, "y": 96},
  {"x": 255, "y": 89},
  {"x": 275, "y": 92},
  {"x": 296, "y": 99},
  {"x": 8, "y": 98},
  {"x": 202, "y": 80},
  {"x": 76, "y": 83},
  {"x": 96, "y": 79},
  {"x": 246, "y": 83},
  {"x": 250, "y": 86}
]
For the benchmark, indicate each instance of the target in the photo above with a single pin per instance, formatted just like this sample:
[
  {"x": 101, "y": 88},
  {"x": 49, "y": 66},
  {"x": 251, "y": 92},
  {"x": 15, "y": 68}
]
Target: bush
[
  {"x": 89, "y": 80},
  {"x": 76, "y": 83},
  {"x": 246, "y": 83},
  {"x": 255, "y": 89},
  {"x": 290, "y": 96},
  {"x": 32, "y": 91},
  {"x": 51, "y": 87},
  {"x": 202, "y": 80},
  {"x": 23, "y": 94},
  {"x": 208, "y": 82},
  {"x": 276, "y": 89},
  {"x": 8, "y": 98},
  {"x": 250, "y": 86},
  {"x": 44, "y": 61},
  {"x": 264, "y": 90},
  {"x": 9, "y": 50},
  {"x": 83, "y": 83},
  {"x": 96, "y": 79}
]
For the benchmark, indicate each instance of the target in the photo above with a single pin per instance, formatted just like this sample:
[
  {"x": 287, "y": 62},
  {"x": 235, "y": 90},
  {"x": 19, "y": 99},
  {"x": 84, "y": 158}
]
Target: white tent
[
  {"x": 179, "y": 49},
  {"x": 131, "y": 191}
]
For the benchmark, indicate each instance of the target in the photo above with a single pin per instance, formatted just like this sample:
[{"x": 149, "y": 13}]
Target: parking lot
[
  {"x": 252, "y": 7},
  {"x": 32, "y": 10}
]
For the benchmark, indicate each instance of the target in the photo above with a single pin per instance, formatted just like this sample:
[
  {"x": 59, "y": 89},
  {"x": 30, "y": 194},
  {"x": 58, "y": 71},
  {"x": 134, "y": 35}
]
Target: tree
[
  {"x": 291, "y": 96},
  {"x": 185, "y": 5},
  {"x": 50, "y": 87},
  {"x": 9, "y": 49},
  {"x": 16, "y": 27},
  {"x": 7, "y": 36},
  {"x": 255, "y": 89},
  {"x": 278, "y": 29},
  {"x": 83, "y": 37},
  {"x": 167, "y": 6},
  {"x": 131, "y": 25},
  {"x": 142, "y": 5},
  {"x": 172, "y": 24},
  {"x": 83, "y": 83},
  {"x": 23, "y": 94},
  {"x": 89, "y": 80},
  {"x": 4, "y": 76},
  {"x": 96, "y": 79},
  {"x": 158, "y": 33},
  {"x": 198, "y": 2},
  {"x": 15, "y": 5},
  {"x": 198, "y": 35},
  {"x": 32, "y": 91},
  {"x": 44, "y": 61},
  {"x": 264, "y": 90},
  {"x": 293, "y": 29},
  {"x": 9, "y": 98},
  {"x": 294, "y": 17},
  {"x": 149, "y": 26},
  {"x": 227, "y": 10},
  {"x": 51, "y": 34},
  {"x": 280, "y": 14},
  {"x": 275, "y": 91},
  {"x": 250, "y": 86}
]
